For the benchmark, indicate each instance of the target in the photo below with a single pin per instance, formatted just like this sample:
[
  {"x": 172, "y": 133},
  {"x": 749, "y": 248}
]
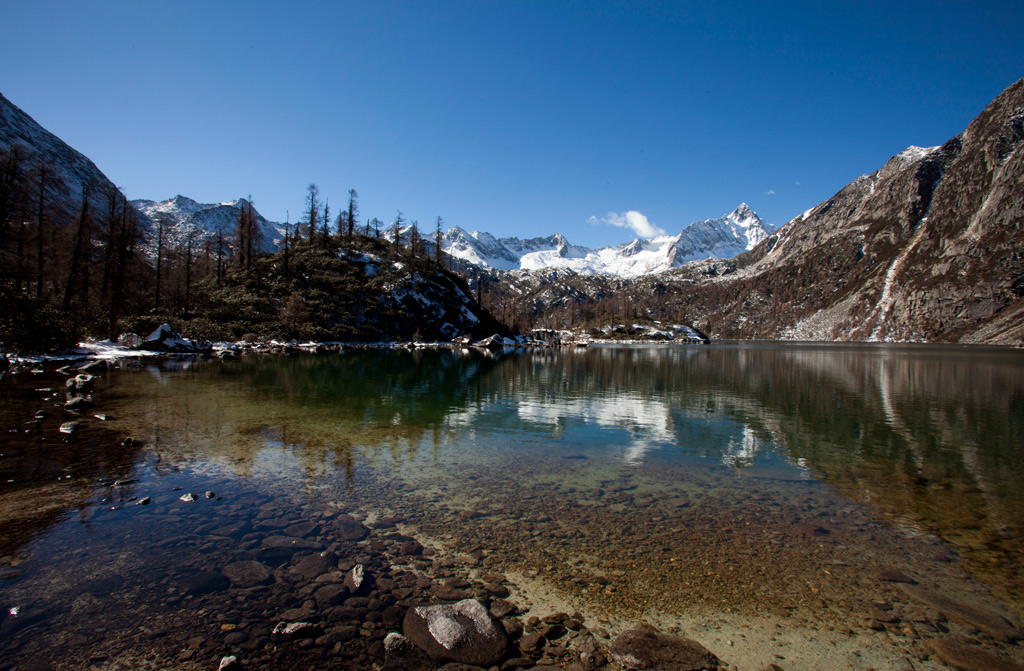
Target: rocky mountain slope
[
  {"x": 68, "y": 172},
  {"x": 720, "y": 238},
  {"x": 186, "y": 217},
  {"x": 928, "y": 248}
]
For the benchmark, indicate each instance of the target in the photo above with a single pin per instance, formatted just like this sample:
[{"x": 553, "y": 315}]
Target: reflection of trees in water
[
  {"x": 934, "y": 436},
  {"x": 326, "y": 411}
]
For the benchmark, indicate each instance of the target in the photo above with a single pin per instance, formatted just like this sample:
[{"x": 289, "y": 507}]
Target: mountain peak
[
  {"x": 724, "y": 237},
  {"x": 744, "y": 216}
]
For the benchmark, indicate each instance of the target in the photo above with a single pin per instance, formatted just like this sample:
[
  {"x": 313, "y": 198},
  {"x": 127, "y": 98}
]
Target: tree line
[{"x": 91, "y": 265}]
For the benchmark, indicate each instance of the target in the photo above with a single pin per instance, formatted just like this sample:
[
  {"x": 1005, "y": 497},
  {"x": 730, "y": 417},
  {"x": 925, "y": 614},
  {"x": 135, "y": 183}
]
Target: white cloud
[
  {"x": 632, "y": 220},
  {"x": 770, "y": 192}
]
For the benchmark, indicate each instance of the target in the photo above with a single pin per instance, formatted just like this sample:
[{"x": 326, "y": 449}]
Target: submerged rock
[
  {"x": 355, "y": 578},
  {"x": 645, "y": 649},
  {"x": 202, "y": 582},
  {"x": 400, "y": 653},
  {"x": 348, "y": 528},
  {"x": 965, "y": 656},
  {"x": 78, "y": 403},
  {"x": 70, "y": 427},
  {"x": 460, "y": 632},
  {"x": 248, "y": 573},
  {"x": 297, "y": 630},
  {"x": 985, "y": 619},
  {"x": 229, "y": 663},
  {"x": 81, "y": 383}
]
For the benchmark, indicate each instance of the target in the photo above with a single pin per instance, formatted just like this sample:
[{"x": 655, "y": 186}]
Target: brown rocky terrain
[{"x": 928, "y": 248}]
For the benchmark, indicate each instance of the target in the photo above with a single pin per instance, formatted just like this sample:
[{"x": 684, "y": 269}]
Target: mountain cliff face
[
  {"x": 928, "y": 248},
  {"x": 719, "y": 238}
]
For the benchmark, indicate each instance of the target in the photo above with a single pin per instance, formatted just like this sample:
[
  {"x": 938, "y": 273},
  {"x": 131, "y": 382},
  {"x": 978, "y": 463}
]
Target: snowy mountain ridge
[{"x": 721, "y": 238}]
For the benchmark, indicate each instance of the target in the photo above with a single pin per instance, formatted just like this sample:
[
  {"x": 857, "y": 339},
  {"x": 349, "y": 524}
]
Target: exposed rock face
[{"x": 930, "y": 247}]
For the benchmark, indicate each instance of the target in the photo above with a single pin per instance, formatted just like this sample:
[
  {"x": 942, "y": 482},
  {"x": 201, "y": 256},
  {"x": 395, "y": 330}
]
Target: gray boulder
[{"x": 461, "y": 632}]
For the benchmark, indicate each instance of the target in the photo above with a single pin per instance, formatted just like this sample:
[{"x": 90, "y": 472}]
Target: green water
[{"x": 639, "y": 479}]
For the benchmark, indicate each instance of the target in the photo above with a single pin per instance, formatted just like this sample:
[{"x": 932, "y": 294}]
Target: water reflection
[{"x": 932, "y": 438}]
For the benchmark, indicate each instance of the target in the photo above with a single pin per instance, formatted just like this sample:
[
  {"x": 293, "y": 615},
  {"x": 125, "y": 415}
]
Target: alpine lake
[{"x": 808, "y": 506}]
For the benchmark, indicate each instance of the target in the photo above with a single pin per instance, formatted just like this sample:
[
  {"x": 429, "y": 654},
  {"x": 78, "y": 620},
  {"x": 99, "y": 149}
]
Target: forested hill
[{"x": 95, "y": 266}]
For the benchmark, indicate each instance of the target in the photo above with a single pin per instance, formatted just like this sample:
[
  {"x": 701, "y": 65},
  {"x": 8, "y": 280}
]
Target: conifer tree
[
  {"x": 437, "y": 242},
  {"x": 312, "y": 211},
  {"x": 353, "y": 212}
]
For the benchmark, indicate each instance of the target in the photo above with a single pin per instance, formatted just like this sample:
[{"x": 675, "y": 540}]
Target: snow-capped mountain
[
  {"x": 185, "y": 216},
  {"x": 721, "y": 238}
]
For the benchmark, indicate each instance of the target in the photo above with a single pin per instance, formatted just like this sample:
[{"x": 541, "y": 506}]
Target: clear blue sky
[{"x": 518, "y": 118}]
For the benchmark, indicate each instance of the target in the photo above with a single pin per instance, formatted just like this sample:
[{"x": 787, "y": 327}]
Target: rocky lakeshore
[{"x": 170, "y": 565}]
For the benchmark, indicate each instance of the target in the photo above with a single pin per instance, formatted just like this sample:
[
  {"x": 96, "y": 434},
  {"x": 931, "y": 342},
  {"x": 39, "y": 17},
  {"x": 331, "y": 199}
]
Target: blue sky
[{"x": 518, "y": 118}]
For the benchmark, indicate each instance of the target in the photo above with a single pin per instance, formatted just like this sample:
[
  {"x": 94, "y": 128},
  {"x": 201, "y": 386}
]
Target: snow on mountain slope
[
  {"x": 720, "y": 238},
  {"x": 187, "y": 217}
]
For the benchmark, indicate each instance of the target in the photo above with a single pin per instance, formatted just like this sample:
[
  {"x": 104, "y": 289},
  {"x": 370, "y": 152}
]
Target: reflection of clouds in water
[
  {"x": 648, "y": 421},
  {"x": 743, "y": 450}
]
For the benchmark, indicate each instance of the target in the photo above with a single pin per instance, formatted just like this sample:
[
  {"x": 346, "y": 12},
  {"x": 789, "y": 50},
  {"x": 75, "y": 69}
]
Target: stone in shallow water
[
  {"x": 643, "y": 649},
  {"x": 202, "y": 582},
  {"x": 970, "y": 657},
  {"x": 311, "y": 566},
  {"x": 301, "y": 530},
  {"x": 348, "y": 528},
  {"x": 888, "y": 574},
  {"x": 297, "y": 629},
  {"x": 248, "y": 573},
  {"x": 355, "y": 579},
  {"x": 70, "y": 427},
  {"x": 400, "y": 653},
  {"x": 330, "y": 595},
  {"x": 290, "y": 543},
  {"x": 229, "y": 663},
  {"x": 78, "y": 403},
  {"x": 985, "y": 619},
  {"x": 460, "y": 632}
]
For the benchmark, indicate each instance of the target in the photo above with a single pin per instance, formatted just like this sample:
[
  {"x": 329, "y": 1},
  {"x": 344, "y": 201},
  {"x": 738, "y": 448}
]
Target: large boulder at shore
[
  {"x": 461, "y": 632},
  {"x": 646, "y": 649},
  {"x": 495, "y": 343},
  {"x": 165, "y": 339}
]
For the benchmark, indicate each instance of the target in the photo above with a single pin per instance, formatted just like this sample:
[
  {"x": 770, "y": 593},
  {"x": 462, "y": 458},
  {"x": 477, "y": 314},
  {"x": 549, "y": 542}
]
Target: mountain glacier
[{"x": 721, "y": 238}]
